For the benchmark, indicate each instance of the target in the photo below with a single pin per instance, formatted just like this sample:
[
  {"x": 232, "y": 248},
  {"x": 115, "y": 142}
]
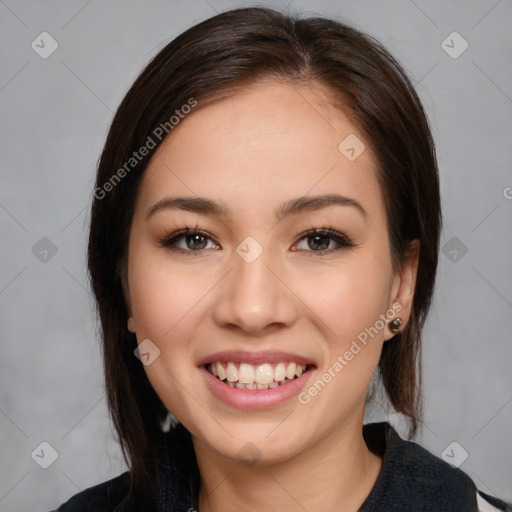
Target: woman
[{"x": 264, "y": 241}]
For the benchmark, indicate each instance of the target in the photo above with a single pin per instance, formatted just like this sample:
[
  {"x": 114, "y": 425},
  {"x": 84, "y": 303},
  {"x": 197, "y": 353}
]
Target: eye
[
  {"x": 190, "y": 240},
  {"x": 319, "y": 240},
  {"x": 193, "y": 241}
]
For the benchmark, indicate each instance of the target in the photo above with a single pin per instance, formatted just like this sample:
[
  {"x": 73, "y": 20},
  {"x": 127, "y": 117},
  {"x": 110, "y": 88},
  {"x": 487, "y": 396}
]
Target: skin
[{"x": 267, "y": 144}]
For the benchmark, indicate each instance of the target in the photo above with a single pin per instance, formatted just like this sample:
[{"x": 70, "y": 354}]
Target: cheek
[
  {"x": 347, "y": 300},
  {"x": 167, "y": 308},
  {"x": 165, "y": 298}
]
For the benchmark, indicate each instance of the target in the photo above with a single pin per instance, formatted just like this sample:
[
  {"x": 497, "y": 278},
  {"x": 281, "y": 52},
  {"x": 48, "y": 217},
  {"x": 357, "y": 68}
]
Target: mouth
[
  {"x": 269, "y": 375},
  {"x": 255, "y": 380}
]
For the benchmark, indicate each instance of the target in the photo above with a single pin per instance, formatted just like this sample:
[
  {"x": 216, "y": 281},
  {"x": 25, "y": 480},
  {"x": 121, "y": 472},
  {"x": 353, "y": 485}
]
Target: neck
[{"x": 336, "y": 474}]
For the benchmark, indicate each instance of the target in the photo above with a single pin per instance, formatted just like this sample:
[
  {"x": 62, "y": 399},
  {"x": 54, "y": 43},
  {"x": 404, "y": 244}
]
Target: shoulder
[
  {"x": 488, "y": 503},
  {"x": 414, "y": 476},
  {"x": 442, "y": 477},
  {"x": 427, "y": 474},
  {"x": 104, "y": 497}
]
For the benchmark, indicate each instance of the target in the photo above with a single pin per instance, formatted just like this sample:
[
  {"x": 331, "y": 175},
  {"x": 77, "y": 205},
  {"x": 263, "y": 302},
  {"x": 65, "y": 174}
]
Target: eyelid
[
  {"x": 344, "y": 242},
  {"x": 169, "y": 240}
]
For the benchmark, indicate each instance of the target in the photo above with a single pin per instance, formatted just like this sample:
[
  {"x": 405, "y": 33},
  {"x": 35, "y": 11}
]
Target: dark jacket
[{"x": 411, "y": 480}]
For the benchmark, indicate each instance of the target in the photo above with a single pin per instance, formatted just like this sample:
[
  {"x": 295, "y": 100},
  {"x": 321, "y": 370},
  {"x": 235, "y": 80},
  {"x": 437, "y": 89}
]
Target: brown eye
[
  {"x": 195, "y": 241},
  {"x": 188, "y": 240},
  {"x": 319, "y": 240}
]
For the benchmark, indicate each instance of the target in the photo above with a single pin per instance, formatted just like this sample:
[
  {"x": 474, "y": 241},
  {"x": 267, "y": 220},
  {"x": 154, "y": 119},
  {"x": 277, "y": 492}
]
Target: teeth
[
  {"x": 246, "y": 374},
  {"x": 280, "y": 372},
  {"x": 241, "y": 385},
  {"x": 290, "y": 370},
  {"x": 220, "y": 370},
  {"x": 231, "y": 372},
  {"x": 263, "y": 376}
]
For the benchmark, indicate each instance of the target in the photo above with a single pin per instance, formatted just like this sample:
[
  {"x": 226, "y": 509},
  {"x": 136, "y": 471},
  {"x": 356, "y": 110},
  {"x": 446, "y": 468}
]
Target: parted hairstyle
[{"x": 214, "y": 59}]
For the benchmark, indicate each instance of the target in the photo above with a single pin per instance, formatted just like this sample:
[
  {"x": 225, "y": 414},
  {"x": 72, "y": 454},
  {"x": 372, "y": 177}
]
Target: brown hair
[{"x": 215, "y": 57}]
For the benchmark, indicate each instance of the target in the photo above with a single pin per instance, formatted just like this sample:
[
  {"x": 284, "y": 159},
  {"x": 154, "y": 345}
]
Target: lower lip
[{"x": 254, "y": 398}]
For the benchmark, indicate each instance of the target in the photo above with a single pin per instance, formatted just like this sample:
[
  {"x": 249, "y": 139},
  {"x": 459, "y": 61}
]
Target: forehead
[{"x": 264, "y": 144}]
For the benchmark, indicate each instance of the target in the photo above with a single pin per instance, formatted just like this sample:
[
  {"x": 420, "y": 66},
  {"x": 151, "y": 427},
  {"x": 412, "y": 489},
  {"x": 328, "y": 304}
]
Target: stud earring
[{"x": 395, "y": 324}]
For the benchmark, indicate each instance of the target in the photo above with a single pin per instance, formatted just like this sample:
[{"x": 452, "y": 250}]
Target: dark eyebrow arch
[{"x": 293, "y": 207}]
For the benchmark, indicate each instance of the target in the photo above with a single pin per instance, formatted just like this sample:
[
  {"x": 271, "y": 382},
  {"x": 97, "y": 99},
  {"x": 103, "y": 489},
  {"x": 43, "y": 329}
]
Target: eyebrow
[{"x": 292, "y": 207}]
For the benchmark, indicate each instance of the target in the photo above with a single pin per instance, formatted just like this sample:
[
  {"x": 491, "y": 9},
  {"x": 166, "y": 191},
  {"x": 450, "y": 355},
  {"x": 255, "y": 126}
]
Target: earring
[{"x": 395, "y": 324}]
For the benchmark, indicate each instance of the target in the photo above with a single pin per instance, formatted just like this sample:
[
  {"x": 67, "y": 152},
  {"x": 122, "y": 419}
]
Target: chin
[{"x": 258, "y": 443}]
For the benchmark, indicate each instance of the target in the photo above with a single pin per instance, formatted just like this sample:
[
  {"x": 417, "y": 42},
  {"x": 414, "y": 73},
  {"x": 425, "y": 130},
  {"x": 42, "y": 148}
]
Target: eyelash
[{"x": 343, "y": 241}]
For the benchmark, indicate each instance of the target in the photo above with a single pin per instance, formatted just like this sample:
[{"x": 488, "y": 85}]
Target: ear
[
  {"x": 404, "y": 284},
  {"x": 123, "y": 276}
]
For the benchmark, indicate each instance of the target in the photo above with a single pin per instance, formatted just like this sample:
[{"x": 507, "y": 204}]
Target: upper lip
[{"x": 256, "y": 358}]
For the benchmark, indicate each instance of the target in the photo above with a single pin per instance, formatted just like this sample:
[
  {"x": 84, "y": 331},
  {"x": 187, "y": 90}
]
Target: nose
[{"x": 255, "y": 297}]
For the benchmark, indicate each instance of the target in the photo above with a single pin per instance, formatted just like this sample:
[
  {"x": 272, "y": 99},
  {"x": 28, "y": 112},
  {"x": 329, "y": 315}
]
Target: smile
[{"x": 262, "y": 376}]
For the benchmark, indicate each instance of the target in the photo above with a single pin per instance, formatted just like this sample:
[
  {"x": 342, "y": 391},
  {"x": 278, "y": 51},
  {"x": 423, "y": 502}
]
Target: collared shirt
[{"x": 411, "y": 480}]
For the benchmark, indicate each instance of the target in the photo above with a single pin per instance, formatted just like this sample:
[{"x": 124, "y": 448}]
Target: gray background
[{"x": 55, "y": 113}]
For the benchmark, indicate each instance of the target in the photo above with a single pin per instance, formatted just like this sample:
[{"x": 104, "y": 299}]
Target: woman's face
[{"x": 253, "y": 294}]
